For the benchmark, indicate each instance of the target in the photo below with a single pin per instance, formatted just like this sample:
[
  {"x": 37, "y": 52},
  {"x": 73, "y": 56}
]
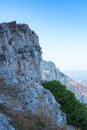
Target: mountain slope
[
  {"x": 22, "y": 98},
  {"x": 78, "y": 76},
  {"x": 49, "y": 72}
]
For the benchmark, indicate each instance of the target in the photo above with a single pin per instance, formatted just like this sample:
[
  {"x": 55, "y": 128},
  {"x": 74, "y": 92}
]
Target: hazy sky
[{"x": 60, "y": 24}]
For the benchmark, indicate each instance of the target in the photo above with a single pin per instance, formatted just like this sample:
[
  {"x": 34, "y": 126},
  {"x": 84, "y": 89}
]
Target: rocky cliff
[
  {"x": 49, "y": 72},
  {"x": 21, "y": 95}
]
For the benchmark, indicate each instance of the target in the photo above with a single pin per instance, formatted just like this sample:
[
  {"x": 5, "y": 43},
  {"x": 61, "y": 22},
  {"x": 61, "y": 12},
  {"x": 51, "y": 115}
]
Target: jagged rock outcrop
[
  {"x": 49, "y": 72},
  {"x": 20, "y": 91},
  {"x": 20, "y": 54}
]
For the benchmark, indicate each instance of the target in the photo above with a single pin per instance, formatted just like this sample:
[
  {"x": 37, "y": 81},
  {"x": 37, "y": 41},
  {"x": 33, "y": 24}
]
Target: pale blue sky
[{"x": 60, "y": 24}]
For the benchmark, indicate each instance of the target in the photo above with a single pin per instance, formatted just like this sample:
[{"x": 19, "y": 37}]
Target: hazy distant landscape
[{"x": 78, "y": 76}]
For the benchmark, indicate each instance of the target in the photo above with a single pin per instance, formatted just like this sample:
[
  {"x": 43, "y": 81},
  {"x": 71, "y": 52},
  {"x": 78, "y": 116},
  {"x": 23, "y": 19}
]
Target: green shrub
[{"x": 76, "y": 111}]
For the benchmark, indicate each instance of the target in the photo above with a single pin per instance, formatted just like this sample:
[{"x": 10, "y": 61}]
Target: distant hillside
[
  {"x": 49, "y": 72},
  {"x": 78, "y": 76}
]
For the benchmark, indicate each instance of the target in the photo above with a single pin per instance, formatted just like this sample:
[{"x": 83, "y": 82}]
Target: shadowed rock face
[
  {"x": 49, "y": 72},
  {"x": 20, "y": 91}
]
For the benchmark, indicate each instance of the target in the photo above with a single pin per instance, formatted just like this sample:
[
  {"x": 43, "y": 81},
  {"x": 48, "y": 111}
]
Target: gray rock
[
  {"x": 20, "y": 54},
  {"x": 41, "y": 101},
  {"x": 20, "y": 57},
  {"x": 5, "y": 123}
]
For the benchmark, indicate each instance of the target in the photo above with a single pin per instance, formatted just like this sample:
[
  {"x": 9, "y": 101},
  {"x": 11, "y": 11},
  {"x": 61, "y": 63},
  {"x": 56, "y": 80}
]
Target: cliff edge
[{"x": 21, "y": 95}]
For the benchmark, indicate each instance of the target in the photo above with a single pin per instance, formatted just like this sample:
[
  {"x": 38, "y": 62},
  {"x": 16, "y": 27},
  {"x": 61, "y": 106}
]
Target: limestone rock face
[
  {"x": 49, "y": 72},
  {"x": 20, "y": 54},
  {"x": 4, "y": 123},
  {"x": 20, "y": 89}
]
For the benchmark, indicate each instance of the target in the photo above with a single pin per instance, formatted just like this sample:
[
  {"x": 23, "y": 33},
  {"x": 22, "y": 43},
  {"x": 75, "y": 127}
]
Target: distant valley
[{"x": 78, "y": 76}]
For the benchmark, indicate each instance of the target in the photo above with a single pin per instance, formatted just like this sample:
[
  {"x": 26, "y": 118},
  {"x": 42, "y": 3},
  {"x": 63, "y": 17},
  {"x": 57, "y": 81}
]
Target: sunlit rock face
[
  {"x": 49, "y": 72},
  {"x": 20, "y": 53},
  {"x": 20, "y": 89}
]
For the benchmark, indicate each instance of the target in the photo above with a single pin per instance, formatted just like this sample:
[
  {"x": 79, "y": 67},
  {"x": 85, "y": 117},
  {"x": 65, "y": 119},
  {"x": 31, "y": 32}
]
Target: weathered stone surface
[
  {"x": 4, "y": 123},
  {"x": 20, "y": 91},
  {"x": 71, "y": 127},
  {"x": 49, "y": 72},
  {"x": 20, "y": 54}
]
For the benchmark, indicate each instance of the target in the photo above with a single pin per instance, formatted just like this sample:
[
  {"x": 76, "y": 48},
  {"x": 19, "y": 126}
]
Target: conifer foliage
[{"x": 76, "y": 111}]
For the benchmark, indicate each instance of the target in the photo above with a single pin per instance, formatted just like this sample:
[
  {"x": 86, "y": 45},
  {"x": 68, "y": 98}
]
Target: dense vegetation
[{"x": 76, "y": 112}]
